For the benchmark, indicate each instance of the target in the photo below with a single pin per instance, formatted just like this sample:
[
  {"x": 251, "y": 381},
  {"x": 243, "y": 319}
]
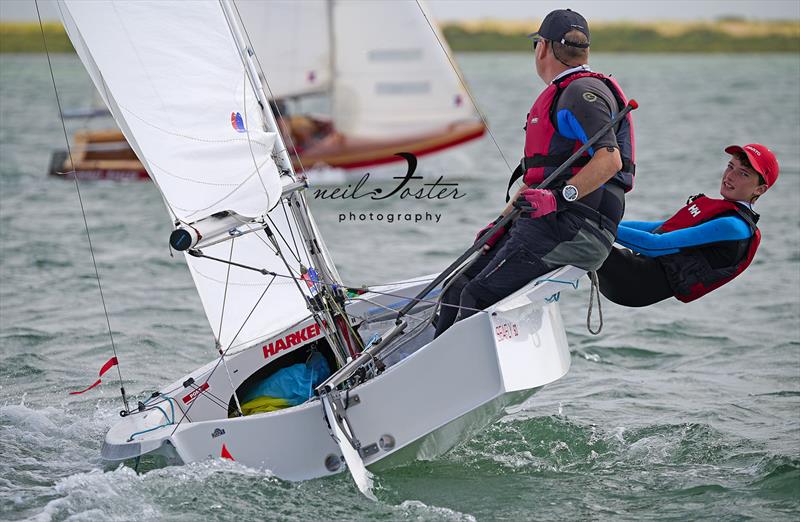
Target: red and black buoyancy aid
[
  {"x": 689, "y": 272},
  {"x": 546, "y": 149}
]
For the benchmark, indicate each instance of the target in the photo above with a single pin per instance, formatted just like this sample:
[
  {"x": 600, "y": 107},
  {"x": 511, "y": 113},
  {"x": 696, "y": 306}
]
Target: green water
[{"x": 674, "y": 412}]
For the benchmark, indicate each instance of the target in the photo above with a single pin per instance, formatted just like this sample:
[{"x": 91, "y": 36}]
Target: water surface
[{"x": 675, "y": 411}]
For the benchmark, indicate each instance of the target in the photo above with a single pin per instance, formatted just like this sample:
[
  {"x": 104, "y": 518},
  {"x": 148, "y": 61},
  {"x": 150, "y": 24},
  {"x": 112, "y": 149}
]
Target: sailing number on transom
[{"x": 506, "y": 331}]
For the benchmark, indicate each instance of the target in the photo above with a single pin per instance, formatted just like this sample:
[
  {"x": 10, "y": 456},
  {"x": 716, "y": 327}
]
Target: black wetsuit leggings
[{"x": 631, "y": 279}]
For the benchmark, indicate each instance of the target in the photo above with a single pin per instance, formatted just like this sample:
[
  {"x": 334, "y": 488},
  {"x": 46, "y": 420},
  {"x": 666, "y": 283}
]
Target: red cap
[{"x": 761, "y": 158}]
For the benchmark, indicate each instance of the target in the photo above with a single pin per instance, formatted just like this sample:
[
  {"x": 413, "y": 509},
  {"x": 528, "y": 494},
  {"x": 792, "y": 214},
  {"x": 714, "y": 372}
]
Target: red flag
[
  {"x": 107, "y": 366},
  {"x": 225, "y": 453}
]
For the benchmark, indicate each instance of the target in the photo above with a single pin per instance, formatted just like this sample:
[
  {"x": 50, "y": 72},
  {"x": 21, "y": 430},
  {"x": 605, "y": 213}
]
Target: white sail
[
  {"x": 172, "y": 76},
  {"x": 387, "y": 69},
  {"x": 291, "y": 38},
  {"x": 392, "y": 75},
  {"x": 244, "y": 306}
]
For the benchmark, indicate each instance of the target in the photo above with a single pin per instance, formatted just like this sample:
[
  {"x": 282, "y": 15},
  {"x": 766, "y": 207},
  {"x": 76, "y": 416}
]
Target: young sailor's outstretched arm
[
  {"x": 654, "y": 245},
  {"x": 647, "y": 226}
]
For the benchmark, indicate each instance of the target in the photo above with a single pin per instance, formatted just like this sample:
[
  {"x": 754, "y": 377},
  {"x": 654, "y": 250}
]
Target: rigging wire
[
  {"x": 286, "y": 215},
  {"x": 225, "y": 294},
  {"x": 464, "y": 85},
  {"x": 352, "y": 288},
  {"x": 295, "y": 255},
  {"x": 83, "y": 210},
  {"x": 271, "y": 94},
  {"x": 219, "y": 331},
  {"x": 225, "y": 352}
]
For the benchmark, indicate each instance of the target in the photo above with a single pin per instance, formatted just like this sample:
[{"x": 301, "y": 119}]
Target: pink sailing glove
[
  {"x": 537, "y": 202},
  {"x": 495, "y": 237}
]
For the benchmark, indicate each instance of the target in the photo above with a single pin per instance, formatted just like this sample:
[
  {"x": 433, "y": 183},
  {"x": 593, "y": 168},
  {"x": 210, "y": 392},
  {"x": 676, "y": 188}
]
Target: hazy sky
[
  {"x": 617, "y": 9},
  {"x": 530, "y": 9}
]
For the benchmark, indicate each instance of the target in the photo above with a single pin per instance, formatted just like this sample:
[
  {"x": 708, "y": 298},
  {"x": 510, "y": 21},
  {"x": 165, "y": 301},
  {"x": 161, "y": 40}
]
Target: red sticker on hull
[{"x": 197, "y": 391}]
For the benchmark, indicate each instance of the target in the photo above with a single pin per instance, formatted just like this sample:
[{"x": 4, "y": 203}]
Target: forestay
[{"x": 172, "y": 76}]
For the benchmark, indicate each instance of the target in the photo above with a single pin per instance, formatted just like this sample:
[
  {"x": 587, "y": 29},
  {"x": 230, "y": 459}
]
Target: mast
[
  {"x": 332, "y": 52},
  {"x": 328, "y": 304}
]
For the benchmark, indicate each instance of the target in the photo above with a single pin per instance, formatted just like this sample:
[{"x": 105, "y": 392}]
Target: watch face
[{"x": 570, "y": 193}]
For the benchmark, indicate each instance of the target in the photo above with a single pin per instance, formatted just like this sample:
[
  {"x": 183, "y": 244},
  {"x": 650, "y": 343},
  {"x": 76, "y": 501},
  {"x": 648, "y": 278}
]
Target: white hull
[{"x": 417, "y": 408}]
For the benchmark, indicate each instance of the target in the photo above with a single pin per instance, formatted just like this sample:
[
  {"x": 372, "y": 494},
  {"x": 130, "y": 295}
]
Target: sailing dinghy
[
  {"x": 171, "y": 77},
  {"x": 387, "y": 74}
]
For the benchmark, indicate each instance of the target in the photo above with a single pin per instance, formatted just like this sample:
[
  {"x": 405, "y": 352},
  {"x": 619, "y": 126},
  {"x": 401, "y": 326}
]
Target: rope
[
  {"x": 225, "y": 293},
  {"x": 594, "y": 292},
  {"x": 83, "y": 210},
  {"x": 286, "y": 215},
  {"x": 224, "y": 352}
]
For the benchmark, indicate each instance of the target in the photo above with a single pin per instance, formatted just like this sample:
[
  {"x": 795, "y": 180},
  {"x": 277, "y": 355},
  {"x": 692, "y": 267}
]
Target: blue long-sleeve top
[{"x": 639, "y": 236}]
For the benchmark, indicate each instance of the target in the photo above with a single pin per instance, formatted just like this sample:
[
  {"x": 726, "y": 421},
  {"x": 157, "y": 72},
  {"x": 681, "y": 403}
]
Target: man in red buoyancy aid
[
  {"x": 574, "y": 220},
  {"x": 703, "y": 246}
]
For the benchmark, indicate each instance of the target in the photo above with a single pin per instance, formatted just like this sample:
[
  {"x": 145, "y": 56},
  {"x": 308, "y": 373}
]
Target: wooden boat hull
[{"x": 106, "y": 155}]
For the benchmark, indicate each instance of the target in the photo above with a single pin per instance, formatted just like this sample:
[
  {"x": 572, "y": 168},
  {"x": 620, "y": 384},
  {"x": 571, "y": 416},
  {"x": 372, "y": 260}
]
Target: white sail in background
[
  {"x": 292, "y": 41},
  {"x": 393, "y": 77},
  {"x": 172, "y": 75}
]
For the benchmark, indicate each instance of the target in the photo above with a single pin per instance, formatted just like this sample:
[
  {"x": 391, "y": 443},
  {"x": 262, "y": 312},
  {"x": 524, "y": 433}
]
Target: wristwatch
[{"x": 570, "y": 193}]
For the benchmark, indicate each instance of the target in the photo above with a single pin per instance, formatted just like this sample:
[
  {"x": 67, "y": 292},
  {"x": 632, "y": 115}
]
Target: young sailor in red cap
[{"x": 704, "y": 245}]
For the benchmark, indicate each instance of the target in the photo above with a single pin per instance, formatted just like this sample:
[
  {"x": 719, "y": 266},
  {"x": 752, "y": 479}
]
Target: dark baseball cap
[{"x": 558, "y": 23}]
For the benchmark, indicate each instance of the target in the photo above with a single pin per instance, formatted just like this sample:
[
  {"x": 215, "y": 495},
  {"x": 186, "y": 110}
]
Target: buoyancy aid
[
  {"x": 689, "y": 272},
  {"x": 546, "y": 149}
]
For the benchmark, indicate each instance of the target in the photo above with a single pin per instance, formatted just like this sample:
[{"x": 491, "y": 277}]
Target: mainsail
[{"x": 173, "y": 77}]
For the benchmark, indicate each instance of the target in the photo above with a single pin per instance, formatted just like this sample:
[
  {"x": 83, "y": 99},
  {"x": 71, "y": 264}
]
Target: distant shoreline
[{"x": 721, "y": 36}]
